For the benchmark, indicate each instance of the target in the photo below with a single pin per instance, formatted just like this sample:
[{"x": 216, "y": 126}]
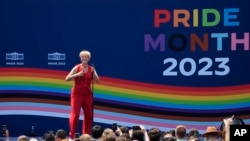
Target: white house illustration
[
  {"x": 56, "y": 56},
  {"x": 14, "y": 56}
]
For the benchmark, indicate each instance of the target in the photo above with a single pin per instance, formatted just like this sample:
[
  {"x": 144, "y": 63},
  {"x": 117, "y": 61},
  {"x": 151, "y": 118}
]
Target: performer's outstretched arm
[{"x": 72, "y": 74}]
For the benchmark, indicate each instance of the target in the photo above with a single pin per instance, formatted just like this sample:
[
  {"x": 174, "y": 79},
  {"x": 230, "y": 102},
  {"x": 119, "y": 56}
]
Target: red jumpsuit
[{"x": 81, "y": 97}]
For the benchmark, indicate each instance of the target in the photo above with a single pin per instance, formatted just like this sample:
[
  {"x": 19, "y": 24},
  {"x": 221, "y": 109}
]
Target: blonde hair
[
  {"x": 22, "y": 138},
  {"x": 85, "y": 52},
  {"x": 108, "y": 134},
  {"x": 85, "y": 137}
]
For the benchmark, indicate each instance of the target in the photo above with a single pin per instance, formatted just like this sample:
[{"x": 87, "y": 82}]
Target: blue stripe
[{"x": 36, "y": 88}]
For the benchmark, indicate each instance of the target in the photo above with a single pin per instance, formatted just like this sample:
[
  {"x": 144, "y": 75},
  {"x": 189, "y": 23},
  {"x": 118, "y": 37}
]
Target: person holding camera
[{"x": 5, "y": 132}]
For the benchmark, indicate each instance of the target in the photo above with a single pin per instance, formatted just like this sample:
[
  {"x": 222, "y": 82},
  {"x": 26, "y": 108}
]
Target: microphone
[{"x": 93, "y": 66}]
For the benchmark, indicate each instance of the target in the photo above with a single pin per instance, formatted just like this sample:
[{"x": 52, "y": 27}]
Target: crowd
[{"x": 140, "y": 133}]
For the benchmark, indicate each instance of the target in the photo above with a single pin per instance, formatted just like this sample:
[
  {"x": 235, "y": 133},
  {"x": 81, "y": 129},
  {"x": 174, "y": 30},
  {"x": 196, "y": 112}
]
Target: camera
[
  {"x": 4, "y": 128},
  {"x": 114, "y": 127}
]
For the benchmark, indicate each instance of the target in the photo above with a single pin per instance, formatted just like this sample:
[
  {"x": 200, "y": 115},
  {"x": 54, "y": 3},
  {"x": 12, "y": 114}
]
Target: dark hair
[
  {"x": 137, "y": 135},
  {"x": 169, "y": 139},
  {"x": 49, "y": 136},
  {"x": 97, "y": 131},
  {"x": 61, "y": 134},
  {"x": 193, "y": 132},
  {"x": 172, "y": 132},
  {"x": 124, "y": 129},
  {"x": 154, "y": 134}
]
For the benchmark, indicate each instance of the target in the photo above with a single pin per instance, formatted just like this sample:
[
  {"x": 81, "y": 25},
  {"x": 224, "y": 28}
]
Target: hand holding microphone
[{"x": 80, "y": 74}]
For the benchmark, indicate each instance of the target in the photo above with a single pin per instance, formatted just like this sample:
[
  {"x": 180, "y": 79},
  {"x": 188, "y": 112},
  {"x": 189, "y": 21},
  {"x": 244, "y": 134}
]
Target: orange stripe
[
  {"x": 196, "y": 91},
  {"x": 33, "y": 74}
]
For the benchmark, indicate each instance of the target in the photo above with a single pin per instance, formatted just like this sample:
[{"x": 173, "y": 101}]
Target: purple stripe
[{"x": 33, "y": 93}]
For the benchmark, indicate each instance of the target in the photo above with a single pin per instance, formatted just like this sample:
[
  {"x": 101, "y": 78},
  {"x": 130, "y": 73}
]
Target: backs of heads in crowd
[
  {"x": 154, "y": 134},
  {"x": 169, "y": 133},
  {"x": 137, "y": 135},
  {"x": 124, "y": 129},
  {"x": 97, "y": 131},
  {"x": 49, "y": 136},
  {"x": 180, "y": 131},
  {"x": 193, "y": 132},
  {"x": 236, "y": 121},
  {"x": 60, "y": 133}
]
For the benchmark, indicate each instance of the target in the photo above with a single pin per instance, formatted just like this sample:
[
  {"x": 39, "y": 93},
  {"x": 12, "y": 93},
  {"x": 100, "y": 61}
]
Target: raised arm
[
  {"x": 95, "y": 75},
  {"x": 73, "y": 74},
  {"x": 227, "y": 123}
]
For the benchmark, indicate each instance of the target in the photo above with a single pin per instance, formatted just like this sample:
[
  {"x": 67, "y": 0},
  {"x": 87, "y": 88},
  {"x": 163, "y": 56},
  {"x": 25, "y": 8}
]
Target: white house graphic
[
  {"x": 14, "y": 56},
  {"x": 56, "y": 56}
]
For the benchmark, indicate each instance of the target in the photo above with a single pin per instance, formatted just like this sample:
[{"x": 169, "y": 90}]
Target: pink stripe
[
  {"x": 151, "y": 123},
  {"x": 34, "y": 109},
  {"x": 102, "y": 116}
]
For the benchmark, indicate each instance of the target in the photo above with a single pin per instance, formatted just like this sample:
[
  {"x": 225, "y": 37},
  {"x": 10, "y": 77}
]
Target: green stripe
[
  {"x": 45, "y": 84},
  {"x": 169, "y": 100}
]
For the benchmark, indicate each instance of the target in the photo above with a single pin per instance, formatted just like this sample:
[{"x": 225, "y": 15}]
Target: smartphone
[
  {"x": 4, "y": 128},
  {"x": 136, "y": 127},
  {"x": 77, "y": 135},
  {"x": 114, "y": 127}
]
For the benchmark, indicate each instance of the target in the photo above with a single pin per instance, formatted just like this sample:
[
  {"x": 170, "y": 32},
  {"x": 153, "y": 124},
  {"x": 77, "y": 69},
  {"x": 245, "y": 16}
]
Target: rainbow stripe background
[{"x": 44, "y": 92}]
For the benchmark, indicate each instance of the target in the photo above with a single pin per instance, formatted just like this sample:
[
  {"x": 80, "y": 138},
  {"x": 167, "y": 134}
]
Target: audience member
[
  {"x": 97, "y": 132},
  {"x": 61, "y": 135},
  {"x": 193, "y": 135},
  {"x": 108, "y": 135},
  {"x": 154, "y": 134},
  {"x": 226, "y": 129},
  {"x": 85, "y": 137},
  {"x": 120, "y": 138},
  {"x": 49, "y": 136},
  {"x": 212, "y": 134},
  {"x": 139, "y": 133},
  {"x": 6, "y": 134},
  {"x": 124, "y": 129},
  {"x": 180, "y": 133},
  {"x": 22, "y": 138},
  {"x": 33, "y": 139},
  {"x": 170, "y": 133},
  {"x": 126, "y": 135}
]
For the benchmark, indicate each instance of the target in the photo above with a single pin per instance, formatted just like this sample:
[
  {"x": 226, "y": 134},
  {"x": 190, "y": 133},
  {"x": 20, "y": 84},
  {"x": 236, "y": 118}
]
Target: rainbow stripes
[{"x": 44, "y": 92}]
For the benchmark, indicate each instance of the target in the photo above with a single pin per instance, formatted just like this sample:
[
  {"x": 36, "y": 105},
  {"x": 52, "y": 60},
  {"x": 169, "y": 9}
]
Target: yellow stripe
[
  {"x": 34, "y": 79},
  {"x": 172, "y": 96}
]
